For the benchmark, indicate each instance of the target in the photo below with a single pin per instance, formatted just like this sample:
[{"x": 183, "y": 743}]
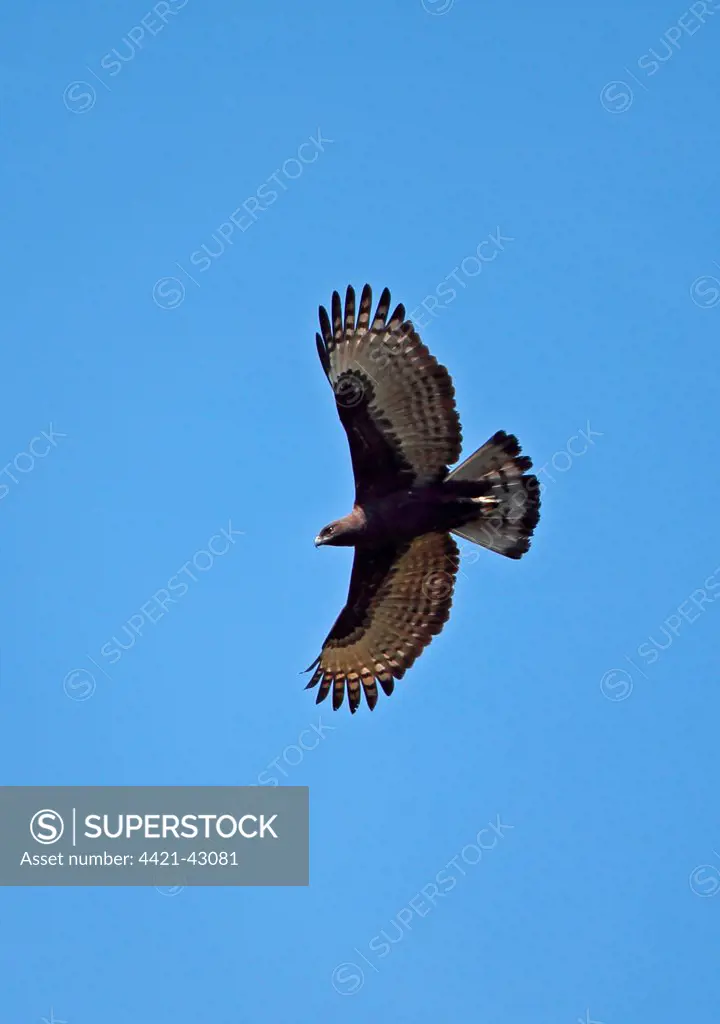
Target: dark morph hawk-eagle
[{"x": 397, "y": 404}]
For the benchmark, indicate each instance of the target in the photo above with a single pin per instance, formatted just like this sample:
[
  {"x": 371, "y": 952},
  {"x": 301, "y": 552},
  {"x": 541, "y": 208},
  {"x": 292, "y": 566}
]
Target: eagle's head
[{"x": 342, "y": 533}]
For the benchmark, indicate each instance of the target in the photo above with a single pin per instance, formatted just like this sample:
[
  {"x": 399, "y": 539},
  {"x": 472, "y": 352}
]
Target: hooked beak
[{"x": 318, "y": 541}]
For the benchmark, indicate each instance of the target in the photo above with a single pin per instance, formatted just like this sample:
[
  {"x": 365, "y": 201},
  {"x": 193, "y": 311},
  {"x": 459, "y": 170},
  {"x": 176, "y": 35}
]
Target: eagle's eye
[{"x": 329, "y": 531}]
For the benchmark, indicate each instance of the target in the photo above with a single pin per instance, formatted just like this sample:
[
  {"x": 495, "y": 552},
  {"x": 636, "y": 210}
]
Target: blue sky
[{"x": 571, "y": 702}]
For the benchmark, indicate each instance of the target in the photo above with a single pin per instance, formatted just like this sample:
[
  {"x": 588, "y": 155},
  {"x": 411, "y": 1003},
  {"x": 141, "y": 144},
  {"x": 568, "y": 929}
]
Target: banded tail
[{"x": 508, "y": 502}]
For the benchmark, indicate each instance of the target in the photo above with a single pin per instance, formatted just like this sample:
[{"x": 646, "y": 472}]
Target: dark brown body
[{"x": 402, "y": 515}]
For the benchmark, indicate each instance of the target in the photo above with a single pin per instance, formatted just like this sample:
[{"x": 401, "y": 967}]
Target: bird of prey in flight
[{"x": 397, "y": 405}]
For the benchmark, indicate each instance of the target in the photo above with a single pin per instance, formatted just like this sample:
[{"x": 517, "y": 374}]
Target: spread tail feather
[{"x": 507, "y": 501}]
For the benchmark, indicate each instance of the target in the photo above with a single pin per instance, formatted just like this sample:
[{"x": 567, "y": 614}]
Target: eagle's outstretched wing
[
  {"x": 396, "y": 402},
  {"x": 399, "y": 598}
]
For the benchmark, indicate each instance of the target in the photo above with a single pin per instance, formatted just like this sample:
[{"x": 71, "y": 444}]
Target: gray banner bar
[{"x": 165, "y": 836}]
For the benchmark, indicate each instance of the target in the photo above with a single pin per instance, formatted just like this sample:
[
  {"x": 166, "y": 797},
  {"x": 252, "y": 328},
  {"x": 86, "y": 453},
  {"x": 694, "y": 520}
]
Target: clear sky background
[{"x": 573, "y": 694}]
